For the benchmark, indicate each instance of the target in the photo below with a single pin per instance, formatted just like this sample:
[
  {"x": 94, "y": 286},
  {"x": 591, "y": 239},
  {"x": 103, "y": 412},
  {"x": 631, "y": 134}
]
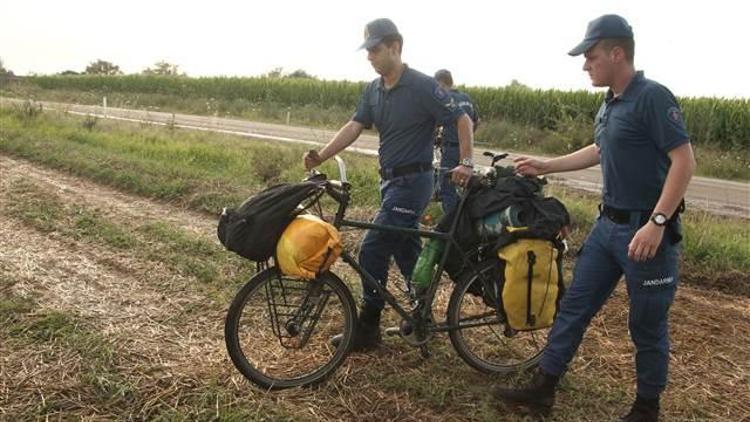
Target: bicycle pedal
[{"x": 392, "y": 331}]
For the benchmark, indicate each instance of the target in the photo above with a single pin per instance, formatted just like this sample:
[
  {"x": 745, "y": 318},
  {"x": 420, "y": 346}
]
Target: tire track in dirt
[
  {"x": 144, "y": 309},
  {"x": 114, "y": 203}
]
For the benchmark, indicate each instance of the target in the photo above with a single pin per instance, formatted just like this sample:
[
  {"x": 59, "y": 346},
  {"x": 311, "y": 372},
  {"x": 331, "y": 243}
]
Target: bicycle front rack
[{"x": 294, "y": 308}]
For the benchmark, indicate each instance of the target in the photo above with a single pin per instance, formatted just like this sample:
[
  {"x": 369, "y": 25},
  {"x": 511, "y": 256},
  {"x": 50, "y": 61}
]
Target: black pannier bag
[
  {"x": 544, "y": 217},
  {"x": 253, "y": 229}
]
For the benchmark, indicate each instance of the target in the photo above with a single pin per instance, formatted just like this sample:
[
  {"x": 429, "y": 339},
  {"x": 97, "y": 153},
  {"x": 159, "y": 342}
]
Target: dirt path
[
  {"x": 125, "y": 295},
  {"x": 113, "y": 202},
  {"x": 142, "y": 308},
  {"x": 145, "y": 311},
  {"x": 70, "y": 275}
]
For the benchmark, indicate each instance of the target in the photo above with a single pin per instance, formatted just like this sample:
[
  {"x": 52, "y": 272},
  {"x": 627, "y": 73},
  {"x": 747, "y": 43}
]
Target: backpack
[
  {"x": 253, "y": 229},
  {"x": 531, "y": 279},
  {"x": 308, "y": 247}
]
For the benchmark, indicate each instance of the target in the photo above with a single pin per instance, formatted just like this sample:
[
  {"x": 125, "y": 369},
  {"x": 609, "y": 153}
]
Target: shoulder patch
[{"x": 674, "y": 114}]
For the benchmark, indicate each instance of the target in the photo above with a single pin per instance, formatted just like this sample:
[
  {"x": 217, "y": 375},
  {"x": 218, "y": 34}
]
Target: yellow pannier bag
[
  {"x": 532, "y": 283},
  {"x": 308, "y": 246}
]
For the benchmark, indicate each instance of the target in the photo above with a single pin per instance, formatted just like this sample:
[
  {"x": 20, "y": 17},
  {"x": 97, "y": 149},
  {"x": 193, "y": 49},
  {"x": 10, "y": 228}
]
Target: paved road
[{"x": 715, "y": 195}]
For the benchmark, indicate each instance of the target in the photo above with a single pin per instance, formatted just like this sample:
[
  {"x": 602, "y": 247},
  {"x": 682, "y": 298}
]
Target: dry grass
[{"x": 94, "y": 332}]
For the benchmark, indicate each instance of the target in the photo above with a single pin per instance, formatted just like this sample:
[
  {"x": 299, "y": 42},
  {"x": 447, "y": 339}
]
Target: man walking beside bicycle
[
  {"x": 405, "y": 106},
  {"x": 449, "y": 146},
  {"x": 647, "y": 161}
]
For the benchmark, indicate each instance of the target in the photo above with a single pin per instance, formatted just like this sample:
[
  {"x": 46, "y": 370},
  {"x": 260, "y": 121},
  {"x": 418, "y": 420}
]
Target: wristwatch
[
  {"x": 467, "y": 162},
  {"x": 659, "y": 219}
]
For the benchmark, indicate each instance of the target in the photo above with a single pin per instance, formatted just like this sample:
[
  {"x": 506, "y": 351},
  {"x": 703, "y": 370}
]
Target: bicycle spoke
[
  {"x": 279, "y": 329},
  {"x": 481, "y": 337}
]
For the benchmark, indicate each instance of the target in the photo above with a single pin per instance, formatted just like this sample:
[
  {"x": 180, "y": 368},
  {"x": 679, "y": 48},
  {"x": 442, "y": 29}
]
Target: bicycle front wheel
[
  {"x": 278, "y": 328},
  {"x": 481, "y": 338}
]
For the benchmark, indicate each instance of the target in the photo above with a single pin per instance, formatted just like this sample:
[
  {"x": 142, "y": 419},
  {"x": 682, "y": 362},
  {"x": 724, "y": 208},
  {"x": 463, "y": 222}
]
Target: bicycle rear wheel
[
  {"x": 278, "y": 328},
  {"x": 482, "y": 339}
]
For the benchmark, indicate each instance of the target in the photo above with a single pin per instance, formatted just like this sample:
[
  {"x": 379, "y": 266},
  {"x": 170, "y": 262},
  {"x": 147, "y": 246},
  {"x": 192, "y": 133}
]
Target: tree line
[
  {"x": 160, "y": 68},
  {"x": 104, "y": 67},
  {"x": 5, "y": 73}
]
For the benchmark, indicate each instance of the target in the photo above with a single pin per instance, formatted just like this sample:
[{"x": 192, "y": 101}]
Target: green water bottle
[{"x": 426, "y": 262}]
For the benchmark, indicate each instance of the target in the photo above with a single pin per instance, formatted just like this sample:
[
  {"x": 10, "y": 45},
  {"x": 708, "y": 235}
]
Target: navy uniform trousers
[
  {"x": 651, "y": 287},
  {"x": 403, "y": 200}
]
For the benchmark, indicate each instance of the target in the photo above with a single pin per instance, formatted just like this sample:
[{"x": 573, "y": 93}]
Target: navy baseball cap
[
  {"x": 376, "y": 30},
  {"x": 606, "y": 26},
  {"x": 443, "y": 73}
]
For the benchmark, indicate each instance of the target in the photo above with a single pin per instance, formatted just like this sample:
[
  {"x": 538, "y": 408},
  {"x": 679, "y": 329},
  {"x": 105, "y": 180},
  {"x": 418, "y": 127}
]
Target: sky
[{"x": 695, "y": 48}]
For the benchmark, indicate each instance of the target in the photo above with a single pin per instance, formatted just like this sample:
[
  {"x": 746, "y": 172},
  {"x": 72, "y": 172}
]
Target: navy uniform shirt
[
  {"x": 450, "y": 130},
  {"x": 635, "y": 132},
  {"x": 405, "y": 116}
]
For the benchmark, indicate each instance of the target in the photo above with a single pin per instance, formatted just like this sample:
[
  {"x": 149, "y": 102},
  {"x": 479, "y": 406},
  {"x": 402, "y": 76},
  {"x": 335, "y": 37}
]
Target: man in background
[{"x": 449, "y": 145}]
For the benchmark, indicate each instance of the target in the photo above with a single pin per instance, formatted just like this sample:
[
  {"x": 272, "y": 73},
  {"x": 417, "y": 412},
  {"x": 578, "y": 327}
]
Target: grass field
[
  {"x": 564, "y": 132},
  {"x": 113, "y": 291},
  {"x": 720, "y": 122}
]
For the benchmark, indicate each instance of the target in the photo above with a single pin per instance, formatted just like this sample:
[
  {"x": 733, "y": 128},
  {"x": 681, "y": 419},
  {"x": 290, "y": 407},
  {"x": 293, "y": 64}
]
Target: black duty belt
[
  {"x": 617, "y": 215},
  {"x": 620, "y": 216},
  {"x": 390, "y": 173}
]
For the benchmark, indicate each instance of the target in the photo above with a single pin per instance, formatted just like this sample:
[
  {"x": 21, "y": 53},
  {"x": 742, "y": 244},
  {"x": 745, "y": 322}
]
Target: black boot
[
  {"x": 643, "y": 410},
  {"x": 537, "y": 397},
  {"x": 366, "y": 333}
]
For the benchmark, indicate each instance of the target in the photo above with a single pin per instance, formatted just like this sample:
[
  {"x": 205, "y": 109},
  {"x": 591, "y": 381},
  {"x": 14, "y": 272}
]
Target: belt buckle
[
  {"x": 621, "y": 217},
  {"x": 615, "y": 215}
]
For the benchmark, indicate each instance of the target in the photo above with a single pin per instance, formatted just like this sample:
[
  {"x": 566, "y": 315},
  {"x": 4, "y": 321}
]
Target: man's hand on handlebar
[
  {"x": 312, "y": 159},
  {"x": 460, "y": 175}
]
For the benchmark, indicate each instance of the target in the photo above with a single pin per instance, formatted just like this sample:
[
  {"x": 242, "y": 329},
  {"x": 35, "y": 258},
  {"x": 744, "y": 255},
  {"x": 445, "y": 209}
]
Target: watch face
[{"x": 660, "y": 219}]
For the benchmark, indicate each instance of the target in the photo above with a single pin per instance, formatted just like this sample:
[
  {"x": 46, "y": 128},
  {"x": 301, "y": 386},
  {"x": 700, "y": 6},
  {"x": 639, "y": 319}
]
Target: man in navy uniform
[
  {"x": 647, "y": 161},
  {"x": 449, "y": 147},
  {"x": 405, "y": 106}
]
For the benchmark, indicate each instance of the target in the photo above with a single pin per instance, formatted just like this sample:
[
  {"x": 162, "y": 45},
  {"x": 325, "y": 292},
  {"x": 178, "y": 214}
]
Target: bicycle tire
[
  {"x": 255, "y": 332},
  {"x": 488, "y": 348}
]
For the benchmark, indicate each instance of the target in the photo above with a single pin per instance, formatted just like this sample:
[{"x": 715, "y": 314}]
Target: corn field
[{"x": 719, "y": 122}]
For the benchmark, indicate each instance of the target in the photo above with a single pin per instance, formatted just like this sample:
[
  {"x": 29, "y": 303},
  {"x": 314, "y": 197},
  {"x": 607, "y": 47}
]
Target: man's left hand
[
  {"x": 646, "y": 242},
  {"x": 461, "y": 174}
]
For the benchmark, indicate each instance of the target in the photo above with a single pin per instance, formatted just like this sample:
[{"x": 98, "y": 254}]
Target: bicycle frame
[{"x": 339, "y": 191}]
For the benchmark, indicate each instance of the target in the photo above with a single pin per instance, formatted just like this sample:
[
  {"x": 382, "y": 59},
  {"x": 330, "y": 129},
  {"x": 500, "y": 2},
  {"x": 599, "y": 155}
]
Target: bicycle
[{"x": 278, "y": 328}]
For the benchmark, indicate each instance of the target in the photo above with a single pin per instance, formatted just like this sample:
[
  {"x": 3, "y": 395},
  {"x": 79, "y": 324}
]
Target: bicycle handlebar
[
  {"x": 339, "y": 189},
  {"x": 342, "y": 168}
]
